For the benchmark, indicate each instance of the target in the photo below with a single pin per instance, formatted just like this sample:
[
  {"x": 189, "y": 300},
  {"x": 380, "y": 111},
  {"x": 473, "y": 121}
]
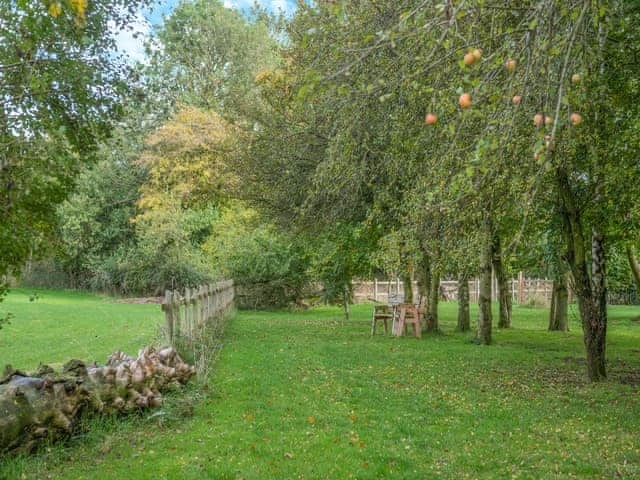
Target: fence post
[
  {"x": 375, "y": 289},
  {"x": 167, "y": 307},
  {"x": 188, "y": 317},
  {"x": 210, "y": 293},
  {"x": 201, "y": 304},
  {"x": 176, "y": 303}
]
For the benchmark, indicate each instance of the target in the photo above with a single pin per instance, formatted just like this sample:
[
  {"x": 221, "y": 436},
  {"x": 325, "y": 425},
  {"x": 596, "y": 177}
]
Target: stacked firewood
[{"x": 46, "y": 404}]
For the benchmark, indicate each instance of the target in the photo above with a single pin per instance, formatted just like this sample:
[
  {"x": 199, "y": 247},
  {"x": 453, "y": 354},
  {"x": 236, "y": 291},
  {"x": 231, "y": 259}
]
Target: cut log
[{"x": 47, "y": 405}]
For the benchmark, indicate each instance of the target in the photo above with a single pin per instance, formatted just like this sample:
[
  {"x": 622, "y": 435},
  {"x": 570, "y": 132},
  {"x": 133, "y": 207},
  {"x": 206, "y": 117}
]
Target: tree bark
[
  {"x": 424, "y": 279},
  {"x": 596, "y": 333},
  {"x": 504, "y": 290},
  {"x": 484, "y": 297},
  {"x": 346, "y": 300},
  {"x": 464, "y": 321},
  {"x": 635, "y": 266},
  {"x": 407, "y": 285},
  {"x": 589, "y": 290},
  {"x": 558, "y": 313},
  {"x": 431, "y": 316},
  {"x": 552, "y": 307}
]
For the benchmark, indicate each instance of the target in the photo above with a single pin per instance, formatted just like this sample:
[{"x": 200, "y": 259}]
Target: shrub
[{"x": 270, "y": 269}]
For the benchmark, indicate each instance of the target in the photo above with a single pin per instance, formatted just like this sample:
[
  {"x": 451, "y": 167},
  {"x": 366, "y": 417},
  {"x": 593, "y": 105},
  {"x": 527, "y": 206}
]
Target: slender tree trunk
[
  {"x": 635, "y": 266},
  {"x": 407, "y": 284},
  {"x": 552, "y": 307},
  {"x": 432, "y": 309},
  {"x": 590, "y": 290},
  {"x": 484, "y": 297},
  {"x": 596, "y": 334},
  {"x": 346, "y": 301},
  {"x": 464, "y": 321},
  {"x": 424, "y": 279},
  {"x": 504, "y": 290},
  {"x": 559, "y": 311}
]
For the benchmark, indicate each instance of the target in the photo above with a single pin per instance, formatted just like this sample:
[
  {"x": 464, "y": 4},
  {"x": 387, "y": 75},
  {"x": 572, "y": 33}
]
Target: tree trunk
[
  {"x": 635, "y": 266},
  {"x": 504, "y": 290},
  {"x": 407, "y": 285},
  {"x": 590, "y": 290},
  {"x": 346, "y": 300},
  {"x": 431, "y": 316},
  {"x": 424, "y": 279},
  {"x": 484, "y": 296},
  {"x": 558, "y": 313},
  {"x": 552, "y": 307},
  {"x": 464, "y": 321},
  {"x": 596, "y": 333}
]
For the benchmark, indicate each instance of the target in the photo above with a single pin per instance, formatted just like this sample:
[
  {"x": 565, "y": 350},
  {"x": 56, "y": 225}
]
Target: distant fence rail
[
  {"x": 187, "y": 312},
  {"x": 523, "y": 290}
]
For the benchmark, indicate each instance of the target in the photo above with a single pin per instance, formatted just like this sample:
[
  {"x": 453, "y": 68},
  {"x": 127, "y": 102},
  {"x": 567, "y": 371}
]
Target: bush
[
  {"x": 47, "y": 273},
  {"x": 270, "y": 270}
]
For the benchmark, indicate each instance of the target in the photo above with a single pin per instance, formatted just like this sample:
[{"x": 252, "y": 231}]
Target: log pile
[{"x": 47, "y": 405}]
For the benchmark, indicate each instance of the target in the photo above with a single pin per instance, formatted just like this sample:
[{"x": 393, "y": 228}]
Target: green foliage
[
  {"x": 35, "y": 176},
  {"x": 269, "y": 268},
  {"x": 95, "y": 222},
  {"x": 62, "y": 87},
  {"x": 168, "y": 251},
  {"x": 210, "y": 56},
  {"x": 6, "y": 317},
  {"x": 341, "y": 254}
]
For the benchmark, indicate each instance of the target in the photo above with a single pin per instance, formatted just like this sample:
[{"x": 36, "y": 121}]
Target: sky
[{"x": 131, "y": 42}]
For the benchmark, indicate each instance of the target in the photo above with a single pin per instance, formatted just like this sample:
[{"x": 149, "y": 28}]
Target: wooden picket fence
[
  {"x": 186, "y": 313},
  {"x": 523, "y": 290}
]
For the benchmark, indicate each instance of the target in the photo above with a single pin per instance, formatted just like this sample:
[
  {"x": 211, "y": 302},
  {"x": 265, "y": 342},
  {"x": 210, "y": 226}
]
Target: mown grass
[
  {"x": 307, "y": 395},
  {"x": 52, "y": 327}
]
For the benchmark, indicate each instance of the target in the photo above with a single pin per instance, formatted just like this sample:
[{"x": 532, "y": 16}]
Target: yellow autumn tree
[{"x": 188, "y": 160}]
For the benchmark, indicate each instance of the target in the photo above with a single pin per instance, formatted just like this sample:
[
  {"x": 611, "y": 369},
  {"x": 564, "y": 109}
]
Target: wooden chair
[
  {"x": 409, "y": 315},
  {"x": 384, "y": 313}
]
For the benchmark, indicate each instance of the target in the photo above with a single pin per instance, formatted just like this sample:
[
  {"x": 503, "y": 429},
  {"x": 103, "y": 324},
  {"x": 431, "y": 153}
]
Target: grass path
[{"x": 308, "y": 396}]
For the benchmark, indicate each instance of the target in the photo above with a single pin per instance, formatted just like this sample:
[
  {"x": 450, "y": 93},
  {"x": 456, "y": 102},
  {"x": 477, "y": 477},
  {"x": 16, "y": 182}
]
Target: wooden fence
[
  {"x": 523, "y": 290},
  {"x": 186, "y": 313}
]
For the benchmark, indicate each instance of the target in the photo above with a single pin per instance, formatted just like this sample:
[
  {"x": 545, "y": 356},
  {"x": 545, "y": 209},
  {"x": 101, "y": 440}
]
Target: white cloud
[
  {"x": 279, "y": 5},
  {"x": 130, "y": 42}
]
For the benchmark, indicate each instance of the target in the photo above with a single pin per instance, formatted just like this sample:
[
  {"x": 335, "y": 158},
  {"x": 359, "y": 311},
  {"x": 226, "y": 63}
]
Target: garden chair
[
  {"x": 384, "y": 313},
  {"x": 410, "y": 314}
]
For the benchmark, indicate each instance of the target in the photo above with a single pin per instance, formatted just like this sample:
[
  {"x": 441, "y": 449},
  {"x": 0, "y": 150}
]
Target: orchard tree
[{"x": 490, "y": 109}]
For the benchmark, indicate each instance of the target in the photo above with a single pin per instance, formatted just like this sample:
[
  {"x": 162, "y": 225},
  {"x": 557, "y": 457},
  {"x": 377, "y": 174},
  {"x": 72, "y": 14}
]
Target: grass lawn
[
  {"x": 60, "y": 325},
  {"x": 305, "y": 395}
]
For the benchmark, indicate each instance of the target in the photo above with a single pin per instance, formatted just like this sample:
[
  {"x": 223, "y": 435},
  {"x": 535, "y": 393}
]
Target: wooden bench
[
  {"x": 410, "y": 314},
  {"x": 384, "y": 313}
]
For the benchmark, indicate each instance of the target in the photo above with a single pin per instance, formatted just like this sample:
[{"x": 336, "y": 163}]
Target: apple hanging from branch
[
  {"x": 430, "y": 118},
  {"x": 465, "y": 100}
]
